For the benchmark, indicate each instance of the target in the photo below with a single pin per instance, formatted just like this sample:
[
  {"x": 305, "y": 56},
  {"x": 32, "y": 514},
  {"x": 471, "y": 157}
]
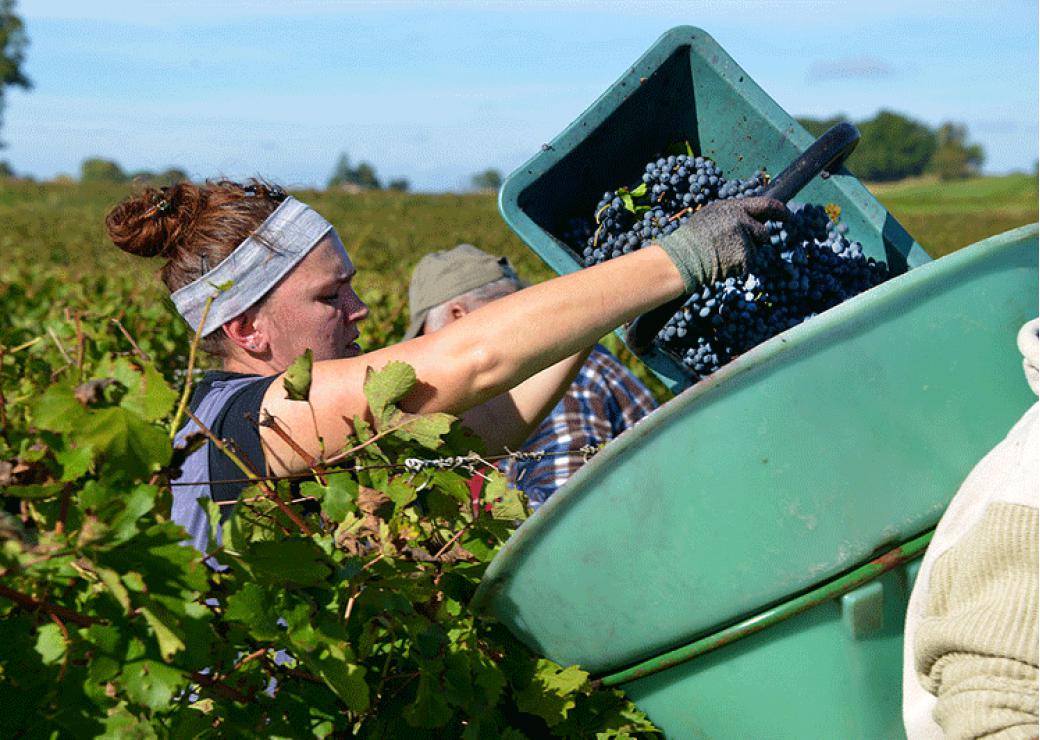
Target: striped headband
[{"x": 254, "y": 267}]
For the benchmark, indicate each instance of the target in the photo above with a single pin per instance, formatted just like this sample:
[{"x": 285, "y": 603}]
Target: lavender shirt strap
[{"x": 186, "y": 509}]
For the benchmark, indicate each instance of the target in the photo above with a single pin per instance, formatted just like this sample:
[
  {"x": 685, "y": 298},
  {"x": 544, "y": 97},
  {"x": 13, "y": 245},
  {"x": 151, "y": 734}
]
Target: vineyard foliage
[
  {"x": 345, "y": 613},
  {"x": 335, "y": 607}
]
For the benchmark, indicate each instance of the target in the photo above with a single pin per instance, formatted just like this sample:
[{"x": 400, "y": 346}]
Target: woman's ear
[{"x": 243, "y": 332}]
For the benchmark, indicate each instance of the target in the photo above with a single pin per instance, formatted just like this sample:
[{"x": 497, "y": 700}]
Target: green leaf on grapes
[
  {"x": 297, "y": 378},
  {"x": 337, "y": 497},
  {"x": 74, "y": 461},
  {"x": 36, "y": 491},
  {"x": 129, "y": 443},
  {"x": 345, "y": 678},
  {"x": 506, "y": 503},
  {"x": 626, "y": 199},
  {"x": 401, "y": 492},
  {"x": 139, "y": 502},
  {"x": 57, "y": 410},
  {"x": 640, "y": 191}
]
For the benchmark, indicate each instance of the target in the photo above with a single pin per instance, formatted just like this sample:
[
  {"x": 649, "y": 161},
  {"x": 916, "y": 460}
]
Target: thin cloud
[{"x": 861, "y": 67}]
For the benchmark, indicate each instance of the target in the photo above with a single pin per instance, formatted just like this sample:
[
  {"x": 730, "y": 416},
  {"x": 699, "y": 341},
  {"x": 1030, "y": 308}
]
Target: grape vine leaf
[
  {"x": 148, "y": 394},
  {"x": 507, "y": 503},
  {"x": 346, "y": 679},
  {"x": 298, "y": 561},
  {"x": 115, "y": 587},
  {"x": 430, "y": 708},
  {"x": 50, "y": 644},
  {"x": 337, "y": 496},
  {"x": 57, "y": 410},
  {"x": 251, "y": 606},
  {"x": 297, "y": 378},
  {"x": 550, "y": 694},
  {"x": 626, "y": 199},
  {"x": 151, "y": 683},
  {"x": 385, "y": 387},
  {"x": 131, "y": 443},
  {"x": 160, "y": 620},
  {"x": 426, "y": 429}
]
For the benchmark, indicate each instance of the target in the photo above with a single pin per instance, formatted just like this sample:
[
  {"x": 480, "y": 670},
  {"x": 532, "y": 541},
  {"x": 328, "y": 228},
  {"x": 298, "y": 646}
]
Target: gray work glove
[{"x": 719, "y": 239}]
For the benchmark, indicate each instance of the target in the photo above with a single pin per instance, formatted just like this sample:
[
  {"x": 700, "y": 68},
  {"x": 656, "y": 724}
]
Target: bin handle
[{"x": 825, "y": 155}]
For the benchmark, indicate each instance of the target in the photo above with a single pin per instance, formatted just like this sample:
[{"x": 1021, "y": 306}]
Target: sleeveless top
[{"x": 210, "y": 403}]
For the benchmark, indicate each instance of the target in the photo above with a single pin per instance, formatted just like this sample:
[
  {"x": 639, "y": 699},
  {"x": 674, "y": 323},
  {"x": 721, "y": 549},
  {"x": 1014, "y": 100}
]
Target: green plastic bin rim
[{"x": 528, "y": 534}]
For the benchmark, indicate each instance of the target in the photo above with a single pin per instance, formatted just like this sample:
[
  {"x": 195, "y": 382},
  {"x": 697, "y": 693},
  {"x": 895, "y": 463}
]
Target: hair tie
[{"x": 160, "y": 205}]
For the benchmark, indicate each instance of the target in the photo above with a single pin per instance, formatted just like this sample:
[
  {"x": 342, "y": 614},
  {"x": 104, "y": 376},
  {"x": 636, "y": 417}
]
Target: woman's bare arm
[{"x": 482, "y": 355}]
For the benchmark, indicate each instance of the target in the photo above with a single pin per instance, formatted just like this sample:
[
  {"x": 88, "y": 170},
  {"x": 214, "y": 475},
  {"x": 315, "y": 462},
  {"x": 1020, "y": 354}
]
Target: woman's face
[{"x": 314, "y": 307}]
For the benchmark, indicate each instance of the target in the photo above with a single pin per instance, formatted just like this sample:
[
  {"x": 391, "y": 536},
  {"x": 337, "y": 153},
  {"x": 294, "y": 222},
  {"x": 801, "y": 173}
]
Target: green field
[
  {"x": 57, "y": 231},
  {"x": 61, "y": 225},
  {"x": 945, "y": 216}
]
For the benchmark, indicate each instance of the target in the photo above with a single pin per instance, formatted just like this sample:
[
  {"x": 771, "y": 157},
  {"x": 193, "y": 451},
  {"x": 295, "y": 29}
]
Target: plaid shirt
[{"x": 604, "y": 400}]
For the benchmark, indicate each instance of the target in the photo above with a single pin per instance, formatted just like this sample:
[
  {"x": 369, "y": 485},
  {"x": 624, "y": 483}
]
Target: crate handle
[{"x": 825, "y": 155}]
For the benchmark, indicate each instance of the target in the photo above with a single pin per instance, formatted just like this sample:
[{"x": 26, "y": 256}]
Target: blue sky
[{"x": 437, "y": 91}]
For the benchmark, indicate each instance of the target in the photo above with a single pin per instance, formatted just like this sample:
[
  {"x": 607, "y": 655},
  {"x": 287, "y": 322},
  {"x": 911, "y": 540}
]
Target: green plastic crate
[{"x": 684, "y": 88}]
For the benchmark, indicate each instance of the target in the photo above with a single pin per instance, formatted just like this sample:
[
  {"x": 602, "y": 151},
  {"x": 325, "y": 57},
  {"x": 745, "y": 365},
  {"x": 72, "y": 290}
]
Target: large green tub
[
  {"x": 738, "y": 561},
  {"x": 831, "y": 442}
]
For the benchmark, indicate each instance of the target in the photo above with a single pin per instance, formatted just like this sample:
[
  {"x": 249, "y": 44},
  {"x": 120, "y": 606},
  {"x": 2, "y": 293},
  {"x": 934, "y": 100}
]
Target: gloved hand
[{"x": 719, "y": 239}]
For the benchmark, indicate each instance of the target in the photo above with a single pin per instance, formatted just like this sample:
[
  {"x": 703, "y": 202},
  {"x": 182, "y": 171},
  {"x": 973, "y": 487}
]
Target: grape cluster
[
  {"x": 672, "y": 189},
  {"x": 808, "y": 266}
]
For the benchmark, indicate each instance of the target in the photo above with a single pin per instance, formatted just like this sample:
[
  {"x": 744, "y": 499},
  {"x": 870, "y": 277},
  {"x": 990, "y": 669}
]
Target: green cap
[{"x": 441, "y": 276}]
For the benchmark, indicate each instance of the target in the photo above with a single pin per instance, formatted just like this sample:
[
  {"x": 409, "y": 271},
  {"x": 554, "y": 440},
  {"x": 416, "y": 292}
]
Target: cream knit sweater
[{"x": 970, "y": 651}]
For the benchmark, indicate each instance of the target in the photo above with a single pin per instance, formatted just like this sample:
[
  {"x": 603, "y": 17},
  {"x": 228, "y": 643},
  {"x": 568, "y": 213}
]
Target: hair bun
[{"x": 155, "y": 222}]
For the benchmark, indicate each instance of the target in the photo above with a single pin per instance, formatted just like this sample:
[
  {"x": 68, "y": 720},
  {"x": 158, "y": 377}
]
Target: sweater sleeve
[{"x": 976, "y": 646}]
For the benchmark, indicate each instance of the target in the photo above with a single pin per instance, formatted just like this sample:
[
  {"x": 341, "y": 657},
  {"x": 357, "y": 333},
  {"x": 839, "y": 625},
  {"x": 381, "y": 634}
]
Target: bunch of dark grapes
[{"x": 808, "y": 266}]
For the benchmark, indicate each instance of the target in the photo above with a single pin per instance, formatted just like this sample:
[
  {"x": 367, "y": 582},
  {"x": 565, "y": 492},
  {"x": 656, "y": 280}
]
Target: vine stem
[
  {"x": 68, "y": 641},
  {"x": 253, "y": 477},
  {"x": 30, "y": 603},
  {"x": 81, "y": 345},
  {"x": 271, "y": 422},
  {"x": 449, "y": 543},
  {"x": 3, "y": 401},
  {"x": 137, "y": 349},
  {"x": 219, "y": 688},
  {"x": 182, "y": 406},
  {"x": 372, "y": 440},
  {"x": 61, "y": 347}
]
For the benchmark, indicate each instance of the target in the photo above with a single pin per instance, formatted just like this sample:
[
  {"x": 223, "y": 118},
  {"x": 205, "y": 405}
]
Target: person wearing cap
[
  {"x": 262, "y": 278},
  {"x": 602, "y": 401}
]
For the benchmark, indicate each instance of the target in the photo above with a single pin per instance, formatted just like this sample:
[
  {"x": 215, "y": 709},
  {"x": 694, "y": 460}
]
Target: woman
[{"x": 263, "y": 278}]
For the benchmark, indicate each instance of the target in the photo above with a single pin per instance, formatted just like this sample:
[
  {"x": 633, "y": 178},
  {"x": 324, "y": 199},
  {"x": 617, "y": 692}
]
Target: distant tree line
[
  {"x": 97, "y": 169},
  {"x": 893, "y": 146},
  {"x": 362, "y": 177}
]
